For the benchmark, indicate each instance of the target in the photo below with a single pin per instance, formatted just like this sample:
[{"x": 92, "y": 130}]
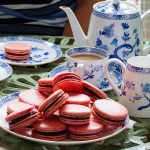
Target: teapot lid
[{"x": 116, "y": 10}]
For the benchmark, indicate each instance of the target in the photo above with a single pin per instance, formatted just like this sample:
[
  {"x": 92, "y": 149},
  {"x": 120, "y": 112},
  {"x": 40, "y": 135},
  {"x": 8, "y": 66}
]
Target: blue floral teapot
[{"x": 115, "y": 26}]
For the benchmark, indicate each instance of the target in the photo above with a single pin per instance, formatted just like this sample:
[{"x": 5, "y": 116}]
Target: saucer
[
  {"x": 115, "y": 73},
  {"x": 5, "y": 71},
  {"x": 42, "y": 52}
]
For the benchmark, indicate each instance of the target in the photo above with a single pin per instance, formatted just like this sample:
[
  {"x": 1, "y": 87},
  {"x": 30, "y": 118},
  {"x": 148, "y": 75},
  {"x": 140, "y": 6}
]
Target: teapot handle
[
  {"x": 106, "y": 73},
  {"x": 146, "y": 49}
]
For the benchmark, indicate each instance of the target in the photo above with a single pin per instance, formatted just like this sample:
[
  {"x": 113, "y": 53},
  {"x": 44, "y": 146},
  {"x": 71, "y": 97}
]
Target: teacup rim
[
  {"x": 131, "y": 61},
  {"x": 105, "y": 57}
]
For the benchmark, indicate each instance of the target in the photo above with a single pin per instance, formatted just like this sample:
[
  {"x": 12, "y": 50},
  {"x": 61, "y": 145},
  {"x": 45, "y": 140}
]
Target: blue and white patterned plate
[
  {"x": 115, "y": 74},
  {"x": 5, "y": 71},
  {"x": 42, "y": 51},
  {"x": 26, "y": 133}
]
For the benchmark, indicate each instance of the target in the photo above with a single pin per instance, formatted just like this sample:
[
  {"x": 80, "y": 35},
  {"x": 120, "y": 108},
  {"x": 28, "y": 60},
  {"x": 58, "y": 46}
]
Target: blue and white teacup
[
  {"x": 88, "y": 63},
  {"x": 135, "y": 89}
]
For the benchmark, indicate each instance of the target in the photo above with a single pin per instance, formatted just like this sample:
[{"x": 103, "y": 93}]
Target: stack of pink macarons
[
  {"x": 73, "y": 109},
  {"x": 17, "y": 50}
]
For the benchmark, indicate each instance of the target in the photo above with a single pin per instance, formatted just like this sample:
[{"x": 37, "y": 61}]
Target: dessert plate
[
  {"x": 115, "y": 73},
  {"x": 42, "y": 51},
  {"x": 26, "y": 133},
  {"x": 5, "y": 71}
]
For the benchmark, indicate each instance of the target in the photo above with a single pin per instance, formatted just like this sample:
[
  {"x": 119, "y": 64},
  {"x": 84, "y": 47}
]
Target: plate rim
[
  {"x": 14, "y": 95},
  {"x": 9, "y": 68},
  {"x": 65, "y": 65},
  {"x": 21, "y": 38}
]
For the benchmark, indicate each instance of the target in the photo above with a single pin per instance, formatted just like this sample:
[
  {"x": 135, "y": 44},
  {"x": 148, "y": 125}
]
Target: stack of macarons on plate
[
  {"x": 65, "y": 108},
  {"x": 17, "y": 50}
]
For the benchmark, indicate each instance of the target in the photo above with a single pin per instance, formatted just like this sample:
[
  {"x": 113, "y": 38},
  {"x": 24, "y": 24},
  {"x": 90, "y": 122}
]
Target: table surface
[{"x": 135, "y": 138}]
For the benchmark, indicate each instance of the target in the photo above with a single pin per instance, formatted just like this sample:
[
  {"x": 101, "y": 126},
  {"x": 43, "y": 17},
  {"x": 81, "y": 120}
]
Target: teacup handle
[
  {"x": 106, "y": 73},
  {"x": 80, "y": 70},
  {"x": 146, "y": 49}
]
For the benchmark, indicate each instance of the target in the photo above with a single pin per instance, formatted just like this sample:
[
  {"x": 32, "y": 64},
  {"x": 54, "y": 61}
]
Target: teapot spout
[{"x": 79, "y": 36}]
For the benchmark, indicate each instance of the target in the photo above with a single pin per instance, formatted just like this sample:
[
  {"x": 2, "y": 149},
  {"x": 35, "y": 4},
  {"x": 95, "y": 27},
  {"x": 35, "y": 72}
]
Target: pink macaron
[
  {"x": 22, "y": 118},
  {"x": 109, "y": 112},
  {"x": 92, "y": 91},
  {"x": 15, "y": 105},
  {"x": 45, "y": 85},
  {"x": 51, "y": 129},
  {"x": 77, "y": 98},
  {"x": 32, "y": 97},
  {"x": 17, "y": 50},
  {"x": 69, "y": 82},
  {"x": 90, "y": 131},
  {"x": 53, "y": 103},
  {"x": 74, "y": 114}
]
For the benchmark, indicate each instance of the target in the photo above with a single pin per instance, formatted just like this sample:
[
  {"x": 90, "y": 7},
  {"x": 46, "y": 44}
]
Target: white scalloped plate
[
  {"x": 26, "y": 133},
  {"x": 42, "y": 52},
  {"x": 5, "y": 71}
]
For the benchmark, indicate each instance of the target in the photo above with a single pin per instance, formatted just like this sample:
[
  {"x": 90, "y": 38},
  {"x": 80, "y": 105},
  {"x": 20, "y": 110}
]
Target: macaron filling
[
  {"x": 17, "y": 54},
  {"x": 57, "y": 100},
  {"x": 16, "y": 120},
  {"x": 91, "y": 92},
  {"x": 107, "y": 119},
  {"x": 75, "y": 117},
  {"x": 57, "y": 133},
  {"x": 46, "y": 85}
]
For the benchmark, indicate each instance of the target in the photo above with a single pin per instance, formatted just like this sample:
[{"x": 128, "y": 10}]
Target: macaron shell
[
  {"x": 55, "y": 107},
  {"x": 27, "y": 122},
  {"x": 89, "y": 131},
  {"x": 50, "y": 99},
  {"x": 45, "y": 85},
  {"x": 69, "y": 86},
  {"x": 45, "y": 89},
  {"x": 16, "y": 57},
  {"x": 108, "y": 122},
  {"x": 110, "y": 109},
  {"x": 45, "y": 81},
  {"x": 74, "y": 114},
  {"x": 15, "y": 105},
  {"x": 17, "y": 47},
  {"x": 32, "y": 97},
  {"x": 85, "y": 137},
  {"x": 51, "y": 125},
  {"x": 47, "y": 125},
  {"x": 66, "y": 75},
  {"x": 77, "y": 98},
  {"x": 92, "y": 128},
  {"x": 50, "y": 138},
  {"x": 19, "y": 113},
  {"x": 53, "y": 103},
  {"x": 74, "y": 110},
  {"x": 94, "y": 92}
]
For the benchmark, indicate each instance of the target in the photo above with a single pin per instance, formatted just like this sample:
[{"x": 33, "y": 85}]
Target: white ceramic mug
[
  {"x": 135, "y": 90},
  {"x": 91, "y": 71}
]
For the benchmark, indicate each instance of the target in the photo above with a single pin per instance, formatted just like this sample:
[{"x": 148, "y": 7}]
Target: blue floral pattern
[
  {"x": 108, "y": 31},
  {"x": 123, "y": 49},
  {"x": 144, "y": 95}
]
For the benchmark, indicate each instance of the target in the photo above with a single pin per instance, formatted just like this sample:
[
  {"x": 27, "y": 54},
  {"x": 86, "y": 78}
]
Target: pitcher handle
[
  {"x": 106, "y": 73},
  {"x": 146, "y": 49}
]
